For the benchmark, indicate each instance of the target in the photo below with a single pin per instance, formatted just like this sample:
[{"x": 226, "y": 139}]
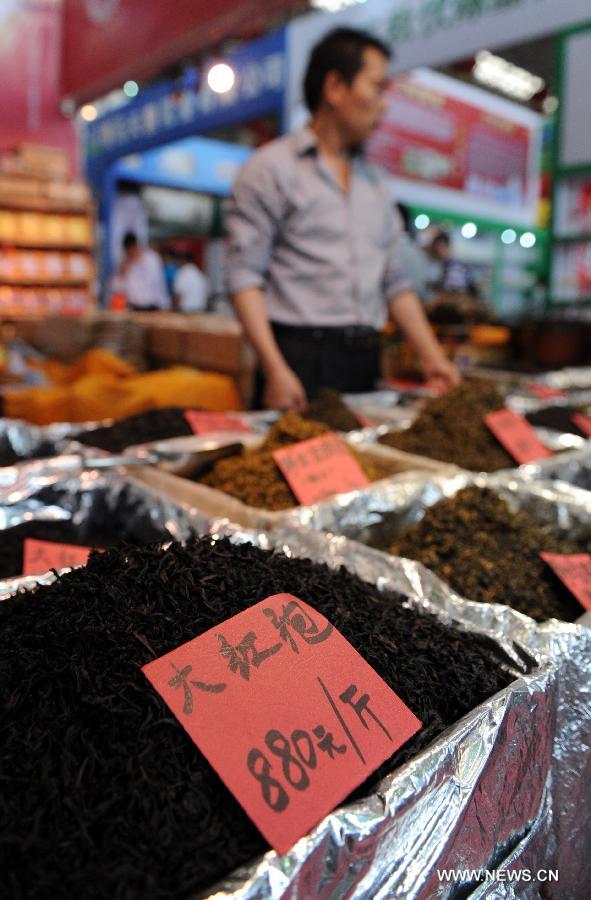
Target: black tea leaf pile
[
  {"x": 451, "y": 428},
  {"x": 142, "y": 428},
  {"x": 557, "y": 418},
  {"x": 103, "y": 793},
  {"x": 330, "y": 408}
]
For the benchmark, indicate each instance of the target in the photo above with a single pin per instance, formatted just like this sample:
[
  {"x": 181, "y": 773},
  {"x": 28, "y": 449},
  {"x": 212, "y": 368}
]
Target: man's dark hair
[
  {"x": 341, "y": 50},
  {"x": 129, "y": 240},
  {"x": 441, "y": 238}
]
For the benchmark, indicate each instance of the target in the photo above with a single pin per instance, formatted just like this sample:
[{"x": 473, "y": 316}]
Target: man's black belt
[{"x": 357, "y": 336}]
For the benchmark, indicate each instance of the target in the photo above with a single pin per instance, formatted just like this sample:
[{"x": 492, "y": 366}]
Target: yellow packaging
[
  {"x": 8, "y": 226},
  {"x": 30, "y": 227},
  {"x": 54, "y": 231},
  {"x": 78, "y": 230}
]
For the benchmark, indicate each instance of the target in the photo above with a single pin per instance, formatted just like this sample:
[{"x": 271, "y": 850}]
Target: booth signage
[
  {"x": 434, "y": 32},
  {"x": 167, "y": 112},
  {"x": 445, "y": 136}
]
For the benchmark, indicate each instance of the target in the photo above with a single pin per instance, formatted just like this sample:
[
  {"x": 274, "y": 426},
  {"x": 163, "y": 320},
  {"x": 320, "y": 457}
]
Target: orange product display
[{"x": 101, "y": 386}]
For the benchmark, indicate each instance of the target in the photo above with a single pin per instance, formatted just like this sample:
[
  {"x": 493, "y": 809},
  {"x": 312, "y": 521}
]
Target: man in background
[
  {"x": 454, "y": 274},
  {"x": 313, "y": 260},
  {"x": 190, "y": 287},
  {"x": 141, "y": 277}
]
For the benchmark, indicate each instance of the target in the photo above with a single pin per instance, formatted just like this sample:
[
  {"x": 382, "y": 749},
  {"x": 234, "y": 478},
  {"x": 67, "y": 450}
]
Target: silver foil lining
[
  {"x": 27, "y": 441},
  {"x": 376, "y": 514},
  {"x": 573, "y": 468},
  {"x": 94, "y": 497}
]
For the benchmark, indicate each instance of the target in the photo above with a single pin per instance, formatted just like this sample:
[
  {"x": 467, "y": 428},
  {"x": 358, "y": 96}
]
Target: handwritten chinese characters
[
  {"x": 319, "y": 467},
  {"x": 285, "y": 709}
]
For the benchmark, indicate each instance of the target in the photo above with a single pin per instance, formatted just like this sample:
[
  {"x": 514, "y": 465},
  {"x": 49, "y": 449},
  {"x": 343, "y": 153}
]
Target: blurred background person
[
  {"x": 141, "y": 277},
  {"x": 190, "y": 287}
]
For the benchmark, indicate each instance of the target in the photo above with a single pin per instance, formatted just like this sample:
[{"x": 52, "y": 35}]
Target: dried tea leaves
[
  {"x": 490, "y": 554},
  {"x": 154, "y": 425},
  {"x": 104, "y": 794},
  {"x": 451, "y": 429},
  {"x": 330, "y": 408},
  {"x": 255, "y": 478}
]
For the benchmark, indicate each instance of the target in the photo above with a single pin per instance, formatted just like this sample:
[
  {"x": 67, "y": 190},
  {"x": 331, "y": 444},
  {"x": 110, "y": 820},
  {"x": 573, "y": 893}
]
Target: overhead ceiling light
[
  {"x": 422, "y": 221},
  {"x": 88, "y": 112},
  {"x": 333, "y": 5},
  {"x": 221, "y": 78},
  {"x": 131, "y": 88},
  {"x": 550, "y": 105},
  {"x": 527, "y": 240},
  {"x": 469, "y": 230},
  {"x": 506, "y": 77},
  {"x": 509, "y": 236}
]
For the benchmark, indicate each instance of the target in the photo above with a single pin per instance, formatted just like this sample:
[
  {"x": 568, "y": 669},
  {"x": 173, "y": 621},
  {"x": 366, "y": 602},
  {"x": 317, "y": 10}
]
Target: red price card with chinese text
[
  {"x": 582, "y": 422},
  {"x": 320, "y": 467},
  {"x": 206, "y": 422},
  {"x": 517, "y": 436},
  {"x": 287, "y": 712},
  {"x": 543, "y": 391},
  {"x": 41, "y": 556},
  {"x": 574, "y": 570}
]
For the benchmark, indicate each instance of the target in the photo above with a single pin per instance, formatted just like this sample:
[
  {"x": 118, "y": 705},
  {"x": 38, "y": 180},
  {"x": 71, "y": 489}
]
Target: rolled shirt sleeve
[
  {"x": 397, "y": 278},
  {"x": 253, "y": 217}
]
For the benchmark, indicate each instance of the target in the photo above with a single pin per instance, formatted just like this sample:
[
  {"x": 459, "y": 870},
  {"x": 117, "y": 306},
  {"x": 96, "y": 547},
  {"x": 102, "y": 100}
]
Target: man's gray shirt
[{"x": 323, "y": 256}]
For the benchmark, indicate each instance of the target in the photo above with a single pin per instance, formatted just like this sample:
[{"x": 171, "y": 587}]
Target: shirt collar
[{"x": 305, "y": 142}]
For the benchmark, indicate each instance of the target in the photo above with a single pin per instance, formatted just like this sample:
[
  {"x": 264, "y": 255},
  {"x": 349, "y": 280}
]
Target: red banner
[
  {"x": 29, "y": 62},
  {"x": 108, "y": 41},
  {"x": 429, "y": 136}
]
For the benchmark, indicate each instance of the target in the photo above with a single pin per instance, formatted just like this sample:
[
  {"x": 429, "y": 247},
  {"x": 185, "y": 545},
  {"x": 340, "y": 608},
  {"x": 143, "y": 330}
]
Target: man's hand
[
  {"x": 407, "y": 311},
  {"x": 284, "y": 390},
  {"x": 441, "y": 373}
]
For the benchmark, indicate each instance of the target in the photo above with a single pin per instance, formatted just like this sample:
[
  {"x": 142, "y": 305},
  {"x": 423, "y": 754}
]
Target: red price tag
[
  {"x": 574, "y": 570},
  {"x": 287, "y": 712},
  {"x": 543, "y": 391},
  {"x": 206, "y": 422},
  {"x": 41, "y": 556},
  {"x": 582, "y": 422},
  {"x": 517, "y": 436},
  {"x": 403, "y": 384},
  {"x": 320, "y": 467}
]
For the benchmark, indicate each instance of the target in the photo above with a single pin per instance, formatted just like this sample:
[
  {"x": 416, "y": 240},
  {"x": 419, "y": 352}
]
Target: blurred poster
[
  {"x": 30, "y": 62},
  {"x": 573, "y": 206},
  {"x": 429, "y": 135},
  {"x": 481, "y": 152}
]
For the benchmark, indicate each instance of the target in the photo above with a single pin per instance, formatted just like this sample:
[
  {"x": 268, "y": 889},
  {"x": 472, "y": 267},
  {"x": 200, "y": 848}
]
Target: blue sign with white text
[
  {"x": 165, "y": 112},
  {"x": 193, "y": 164}
]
